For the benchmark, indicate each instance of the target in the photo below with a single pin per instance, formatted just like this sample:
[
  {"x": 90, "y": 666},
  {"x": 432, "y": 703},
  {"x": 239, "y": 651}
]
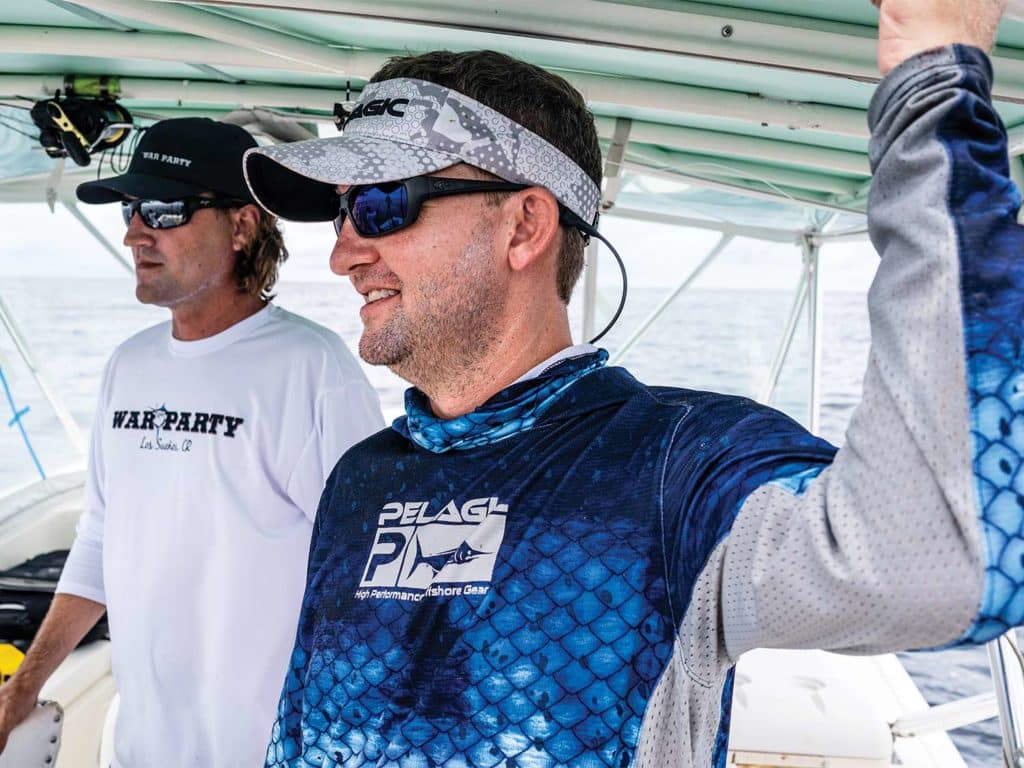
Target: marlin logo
[
  {"x": 159, "y": 418},
  {"x": 458, "y": 542},
  {"x": 461, "y": 554}
]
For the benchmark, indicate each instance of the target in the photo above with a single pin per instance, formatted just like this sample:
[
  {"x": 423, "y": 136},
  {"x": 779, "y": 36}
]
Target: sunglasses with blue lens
[
  {"x": 380, "y": 209},
  {"x": 167, "y": 214}
]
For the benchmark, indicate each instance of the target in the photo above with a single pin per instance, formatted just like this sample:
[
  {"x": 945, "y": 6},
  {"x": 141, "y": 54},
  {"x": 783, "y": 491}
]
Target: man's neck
[
  {"x": 194, "y": 322},
  {"x": 501, "y": 366}
]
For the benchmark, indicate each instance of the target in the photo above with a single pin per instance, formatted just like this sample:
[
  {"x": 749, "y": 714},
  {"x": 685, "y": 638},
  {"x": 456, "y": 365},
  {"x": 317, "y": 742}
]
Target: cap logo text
[
  {"x": 379, "y": 107},
  {"x": 169, "y": 159}
]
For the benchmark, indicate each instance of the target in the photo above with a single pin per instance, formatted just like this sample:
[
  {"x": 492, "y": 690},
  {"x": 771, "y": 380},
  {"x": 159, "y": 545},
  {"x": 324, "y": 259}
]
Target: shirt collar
[
  {"x": 513, "y": 410},
  {"x": 577, "y": 350}
]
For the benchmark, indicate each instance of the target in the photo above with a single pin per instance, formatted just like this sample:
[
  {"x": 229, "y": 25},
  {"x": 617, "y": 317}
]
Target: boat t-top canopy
[{"x": 755, "y": 109}]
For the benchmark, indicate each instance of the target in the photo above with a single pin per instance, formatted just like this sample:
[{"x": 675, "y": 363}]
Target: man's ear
[
  {"x": 245, "y": 222},
  {"x": 534, "y": 227}
]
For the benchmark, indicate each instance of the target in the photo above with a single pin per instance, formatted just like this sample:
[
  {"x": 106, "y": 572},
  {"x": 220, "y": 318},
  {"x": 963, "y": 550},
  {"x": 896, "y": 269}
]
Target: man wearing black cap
[
  {"x": 212, "y": 440},
  {"x": 549, "y": 563}
]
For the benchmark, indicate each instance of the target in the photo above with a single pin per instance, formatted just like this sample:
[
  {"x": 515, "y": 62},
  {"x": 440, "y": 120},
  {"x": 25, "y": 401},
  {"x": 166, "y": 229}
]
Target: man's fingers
[
  {"x": 14, "y": 710},
  {"x": 908, "y": 27}
]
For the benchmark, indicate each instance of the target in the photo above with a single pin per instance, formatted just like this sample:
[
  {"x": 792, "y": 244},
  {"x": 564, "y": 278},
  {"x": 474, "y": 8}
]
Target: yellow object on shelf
[{"x": 10, "y": 660}]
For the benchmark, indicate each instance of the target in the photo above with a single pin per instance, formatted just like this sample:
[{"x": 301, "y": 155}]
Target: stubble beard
[
  {"x": 457, "y": 323},
  {"x": 169, "y": 288},
  {"x": 157, "y": 290},
  {"x": 159, "y": 287}
]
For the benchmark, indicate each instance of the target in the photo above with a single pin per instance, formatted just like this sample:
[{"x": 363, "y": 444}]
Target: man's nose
[
  {"x": 137, "y": 232},
  {"x": 351, "y": 251}
]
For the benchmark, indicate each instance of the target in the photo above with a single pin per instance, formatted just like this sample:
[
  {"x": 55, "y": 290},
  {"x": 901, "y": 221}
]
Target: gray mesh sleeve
[{"x": 884, "y": 549}]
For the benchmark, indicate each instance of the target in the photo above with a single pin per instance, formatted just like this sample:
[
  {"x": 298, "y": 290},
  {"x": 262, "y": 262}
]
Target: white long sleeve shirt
[{"x": 207, "y": 463}]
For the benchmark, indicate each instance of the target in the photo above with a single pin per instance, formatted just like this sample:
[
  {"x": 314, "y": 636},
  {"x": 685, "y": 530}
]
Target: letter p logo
[{"x": 386, "y": 552}]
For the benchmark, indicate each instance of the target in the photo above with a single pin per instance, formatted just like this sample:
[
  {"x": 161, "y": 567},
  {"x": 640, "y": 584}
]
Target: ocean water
[{"x": 710, "y": 339}]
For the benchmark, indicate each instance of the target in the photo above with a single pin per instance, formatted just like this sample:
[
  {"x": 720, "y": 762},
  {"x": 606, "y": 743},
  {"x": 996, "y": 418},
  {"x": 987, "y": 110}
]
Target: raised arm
[
  {"x": 909, "y": 27},
  {"x": 912, "y": 537}
]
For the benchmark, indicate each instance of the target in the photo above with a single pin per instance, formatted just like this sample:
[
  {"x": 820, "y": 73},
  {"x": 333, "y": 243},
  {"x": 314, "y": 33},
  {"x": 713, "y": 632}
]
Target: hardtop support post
[
  {"x": 686, "y": 282},
  {"x": 786, "y": 342},
  {"x": 1008, "y": 677},
  {"x": 815, "y": 309},
  {"x": 98, "y": 236},
  {"x": 63, "y": 414},
  {"x": 590, "y": 291},
  {"x": 613, "y": 163},
  {"x": 612, "y": 183}
]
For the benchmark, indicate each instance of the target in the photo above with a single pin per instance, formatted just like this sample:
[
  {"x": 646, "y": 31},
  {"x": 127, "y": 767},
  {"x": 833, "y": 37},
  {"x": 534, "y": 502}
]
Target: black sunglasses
[
  {"x": 167, "y": 214},
  {"x": 380, "y": 209}
]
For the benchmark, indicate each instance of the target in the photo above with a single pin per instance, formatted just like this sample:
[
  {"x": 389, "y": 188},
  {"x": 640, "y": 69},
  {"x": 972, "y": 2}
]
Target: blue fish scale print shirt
[
  {"x": 511, "y": 603},
  {"x": 568, "y": 575}
]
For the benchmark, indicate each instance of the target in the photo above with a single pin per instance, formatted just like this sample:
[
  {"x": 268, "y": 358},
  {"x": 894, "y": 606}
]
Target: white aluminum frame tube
[
  {"x": 165, "y": 46},
  {"x": 620, "y": 130},
  {"x": 175, "y": 92},
  {"x": 786, "y": 342},
  {"x": 692, "y": 100},
  {"x": 781, "y": 193},
  {"x": 744, "y": 170},
  {"x": 753, "y": 148},
  {"x": 685, "y": 283},
  {"x": 316, "y": 55},
  {"x": 815, "y": 313},
  {"x": 1008, "y": 677},
  {"x": 67, "y": 421},
  {"x": 766, "y": 234},
  {"x": 857, "y": 234},
  {"x": 98, "y": 236},
  {"x": 947, "y": 717},
  {"x": 590, "y": 290}
]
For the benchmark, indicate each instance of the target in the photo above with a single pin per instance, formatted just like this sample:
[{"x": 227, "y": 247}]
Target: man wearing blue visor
[{"x": 546, "y": 562}]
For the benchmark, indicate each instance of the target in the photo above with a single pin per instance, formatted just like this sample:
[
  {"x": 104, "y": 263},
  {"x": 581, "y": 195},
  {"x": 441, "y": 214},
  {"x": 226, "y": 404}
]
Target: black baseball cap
[{"x": 179, "y": 158}]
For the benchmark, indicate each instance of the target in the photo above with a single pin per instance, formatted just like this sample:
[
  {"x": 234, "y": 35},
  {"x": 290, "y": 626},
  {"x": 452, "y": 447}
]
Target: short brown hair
[
  {"x": 257, "y": 264},
  {"x": 536, "y": 99}
]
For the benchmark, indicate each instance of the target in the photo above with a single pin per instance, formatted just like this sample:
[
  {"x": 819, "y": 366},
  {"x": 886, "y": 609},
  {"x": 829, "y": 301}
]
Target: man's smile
[{"x": 377, "y": 294}]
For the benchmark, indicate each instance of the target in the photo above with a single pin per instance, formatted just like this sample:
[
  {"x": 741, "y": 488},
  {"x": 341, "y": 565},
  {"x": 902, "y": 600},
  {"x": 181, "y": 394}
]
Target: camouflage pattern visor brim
[
  {"x": 297, "y": 181},
  {"x": 402, "y": 128}
]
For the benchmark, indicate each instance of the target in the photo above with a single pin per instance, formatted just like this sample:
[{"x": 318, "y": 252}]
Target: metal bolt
[{"x": 727, "y": 31}]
